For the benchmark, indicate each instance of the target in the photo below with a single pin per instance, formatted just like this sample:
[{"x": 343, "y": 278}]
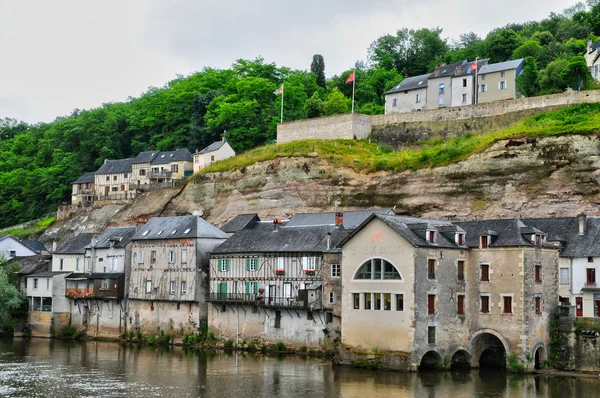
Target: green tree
[
  {"x": 531, "y": 48},
  {"x": 527, "y": 81},
  {"x": 500, "y": 44},
  {"x": 335, "y": 103},
  {"x": 318, "y": 68},
  {"x": 10, "y": 298},
  {"x": 314, "y": 106}
]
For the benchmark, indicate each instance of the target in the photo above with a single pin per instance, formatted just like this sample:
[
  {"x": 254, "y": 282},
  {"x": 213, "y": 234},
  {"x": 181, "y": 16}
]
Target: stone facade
[{"x": 348, "y": 127}]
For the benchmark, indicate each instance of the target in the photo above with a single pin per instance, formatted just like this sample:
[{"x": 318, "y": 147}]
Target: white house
[
  {"x": 409, "y": 95},
  {"x": 592, "y": 56},
  {"x": 216, "y": 151},
  {"x": 70, "y": 257},
  {"x": 12, "y": 247}
]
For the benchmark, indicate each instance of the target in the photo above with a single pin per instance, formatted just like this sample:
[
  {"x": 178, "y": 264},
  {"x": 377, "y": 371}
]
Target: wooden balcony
[
  {"x": 79, "y": 293},
  {"x": 160, "y": 174}
]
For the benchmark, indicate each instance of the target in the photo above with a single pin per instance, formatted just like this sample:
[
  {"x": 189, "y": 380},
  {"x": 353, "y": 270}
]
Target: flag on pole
[
  {"x": 278, "y": 91},
  {"x": 350, "y": 78}
]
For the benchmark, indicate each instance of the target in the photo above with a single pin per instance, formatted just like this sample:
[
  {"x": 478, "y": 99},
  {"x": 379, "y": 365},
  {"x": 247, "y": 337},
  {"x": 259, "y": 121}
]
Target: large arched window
[{"x": 377, "y": 268}]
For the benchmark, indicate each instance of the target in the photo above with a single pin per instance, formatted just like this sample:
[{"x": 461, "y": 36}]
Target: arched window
[{"x": 377, "y": 268}]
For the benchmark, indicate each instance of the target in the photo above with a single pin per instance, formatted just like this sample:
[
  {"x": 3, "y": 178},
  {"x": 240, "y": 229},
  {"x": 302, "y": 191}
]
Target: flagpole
[
  {"x": 353, "y": 86},
  {"x": 282, "y": 94},
  {"x": 476, "y": 80}
]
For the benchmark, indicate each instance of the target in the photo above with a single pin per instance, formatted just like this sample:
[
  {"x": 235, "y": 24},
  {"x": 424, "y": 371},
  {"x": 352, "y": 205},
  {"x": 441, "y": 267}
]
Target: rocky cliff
[{"x": 556, "y": 176}]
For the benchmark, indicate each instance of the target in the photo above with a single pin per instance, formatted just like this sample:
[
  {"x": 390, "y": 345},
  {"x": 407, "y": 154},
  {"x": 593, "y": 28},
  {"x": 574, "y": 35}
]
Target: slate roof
[
  {"x": 145, "y": 157},
  {"x": 172, "y": 156},
  {"x": 176, "y": 227},
  {"x": 77, "y": 276},
  {"x": 121, "y": 236},
  {"x": 116, "y": 166},
  {"x": 87, "y": 178},
  {"x": 508, "y": 233},
  {"x": 447, "y": 70},
  {"x": 35, "y": 245},
  {"x": 352, "y": 219},
  {"x": 239, "y": 222},
  {"x": 410, "y": 83},
  {"x": 76, "y": 245},
  {"x": 215, "y": 146},
  {"x": 32, "y": 264},
  {"x": 414, "y": 230},
  {"x": 23, "y": 243},
  {"x": 283, "y": 240},
  {"x": 502, "y": 66},
  {"x": 567, "y": 230},
  {"x": 46, "y": 274}
]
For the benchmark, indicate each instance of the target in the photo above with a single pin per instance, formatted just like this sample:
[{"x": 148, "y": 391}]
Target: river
[{"x": 45, "y": 368}]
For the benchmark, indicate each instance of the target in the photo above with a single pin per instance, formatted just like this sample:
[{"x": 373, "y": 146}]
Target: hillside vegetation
[
  {"x": 39, "y": 162},
  {"x": 363, "y": 155}
]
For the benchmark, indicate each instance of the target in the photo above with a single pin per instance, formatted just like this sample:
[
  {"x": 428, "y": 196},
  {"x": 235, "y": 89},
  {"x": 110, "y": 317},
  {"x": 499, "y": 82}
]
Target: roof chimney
[
  {"x": 589, "y": 46},
  {"x": 582, "y": 218},
  {"x": 276, "y": 224},
  {"x": 339, "y": 219},
  {"x": 53, "y": 246},
  {"x": 105, "y": 160}
]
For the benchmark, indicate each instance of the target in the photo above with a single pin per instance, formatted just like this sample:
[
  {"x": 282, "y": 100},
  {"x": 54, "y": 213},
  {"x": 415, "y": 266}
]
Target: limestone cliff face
[{"x": 558, "y": 176}]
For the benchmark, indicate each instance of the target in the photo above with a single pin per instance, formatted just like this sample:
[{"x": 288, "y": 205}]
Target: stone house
[
  {"x": 113, "y": 179},
  {"x": 153, "y": 169},
  {"x": 168, "y": 284},
  {"x": 409, "y": 95},
  {"x": 439, "y": 87},
  {"x": 97, "y": 296},
  {"x": 468, "y": 292},
  {"x": 591, "y": 56},
  {"x": 83, "y": 192},
  {"x": 498, "y": 82},
  {"x": 579, "y": 261},
  {"x": 11, "y": 247},
  {"x": 214, "y": 152},
  {"x": 49, "y": 309}
]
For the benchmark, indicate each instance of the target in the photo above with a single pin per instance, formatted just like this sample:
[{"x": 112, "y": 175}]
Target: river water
[{"x": 44, "y": 368}]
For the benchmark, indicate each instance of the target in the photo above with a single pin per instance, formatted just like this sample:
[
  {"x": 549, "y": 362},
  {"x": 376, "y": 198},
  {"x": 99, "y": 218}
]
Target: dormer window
[
  {"x": 484, "y": 241},
  {"x": 159, "y": 232},
  {"x": 431, "y": 236},
  {"x": 146, "y": 233},
  {"x": 187, "y": 231},
  {"x": 174, "y": 232},
  {"x": 460, "y": 239}
]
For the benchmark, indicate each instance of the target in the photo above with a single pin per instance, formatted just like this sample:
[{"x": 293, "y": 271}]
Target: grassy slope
[
  {"x": 34, "y": 231},
  {"x": 364, "y": 156}
]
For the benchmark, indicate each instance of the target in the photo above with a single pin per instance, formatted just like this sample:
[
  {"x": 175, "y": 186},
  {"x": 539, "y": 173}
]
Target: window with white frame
[
  {"x": 140, "y": 258},
  {"x": 171, "y": 256},
  {"x": 223, "y": 264},
  {"x": 252, "y": 264},
  {"x": 502, "y": 74},
  {"x": 183, "y": 256},
  {"x": 564, "y": 276},
  {"x": 280, "y": 263},
  {"x": 377, "y": 268},
  {"x": 183, "y": 287},
  {"x": 148, "y": 287},
  {"x": 309, "y": 263},
  {"x": 418, "y": 99},
  {"x": 172, "y": 287},
  {"x": 335, "y": 271},
  {"x": 502, "y": 85},
  {"x": 483, "y": 88},
  {"x": 77, "y": 264}
]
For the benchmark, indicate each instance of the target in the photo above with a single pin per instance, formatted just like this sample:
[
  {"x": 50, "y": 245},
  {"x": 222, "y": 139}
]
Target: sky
[{"x": 59, "y": 55}]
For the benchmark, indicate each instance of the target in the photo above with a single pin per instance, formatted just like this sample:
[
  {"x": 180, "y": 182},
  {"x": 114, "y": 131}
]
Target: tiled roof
[
  {"x": 116, "y": 166},
  {"x": 215, "y": 146},
  {"x": 282, "y": 240},
  {"x": 120, "y": 236},
  {"x": 172, "y": 156},
  {"x": 239, "y": 222},
  {"x": 87, "y": 178},
  {"x": 178, "y": 228},
  {"x": 76, "y": 245}
]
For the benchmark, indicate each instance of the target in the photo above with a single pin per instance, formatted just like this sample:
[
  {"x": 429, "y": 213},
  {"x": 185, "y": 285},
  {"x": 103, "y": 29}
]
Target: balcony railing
[
  {"x": 233, "y": 297},
  {"x": 280, "y": 302},
  {"x": 160, "y": 174},
  {"x": 256, "y": 299},
  {"x": 80, "y": 293},
  {"x": 37, "y": 307}
]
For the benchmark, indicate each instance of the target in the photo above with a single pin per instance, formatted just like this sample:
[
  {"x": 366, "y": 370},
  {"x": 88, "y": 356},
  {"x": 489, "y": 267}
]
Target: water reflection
[{"x": 52, "y": 368}]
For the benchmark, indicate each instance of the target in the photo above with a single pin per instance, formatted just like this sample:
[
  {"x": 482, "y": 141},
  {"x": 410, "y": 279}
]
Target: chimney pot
[
  {"x": 339, "y": 219},
  {"x": 276, "y": 224},
  {"x": 582, "y": 217}
]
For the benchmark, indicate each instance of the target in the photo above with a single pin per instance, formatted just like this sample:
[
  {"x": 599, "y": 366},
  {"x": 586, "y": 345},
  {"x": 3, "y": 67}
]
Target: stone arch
[
  {"x": 461, "y": 360},
  {"x": 431, "y": 360},
  {"x": 488, "y": 345},
  {"x": 540, "y": 355}
]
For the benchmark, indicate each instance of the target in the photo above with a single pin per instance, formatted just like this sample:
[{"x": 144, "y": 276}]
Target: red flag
[{"x": 350, "y": 78}]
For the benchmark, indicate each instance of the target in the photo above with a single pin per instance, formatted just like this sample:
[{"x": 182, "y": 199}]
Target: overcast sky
[{"x": 58, "y": 55}]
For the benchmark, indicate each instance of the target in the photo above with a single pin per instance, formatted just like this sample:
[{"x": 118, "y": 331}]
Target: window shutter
[
  {"x": 247, "y": 264},
  {"x": 247, "y": 287},
  {"x": 499, "y": 85},
  {"x": 226, "y": 264},
  {"x": 220, "y": 264}
]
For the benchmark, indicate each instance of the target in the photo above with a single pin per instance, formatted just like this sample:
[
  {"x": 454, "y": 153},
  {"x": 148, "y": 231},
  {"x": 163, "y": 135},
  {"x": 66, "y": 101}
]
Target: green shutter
[
  {"x": 247, "y": 264},
  {"x": 226, "y": 264},
  {"x": 247, "y": 287},
  {"x": 220, "y": 262},
  {"x": 255, "y": 287}
]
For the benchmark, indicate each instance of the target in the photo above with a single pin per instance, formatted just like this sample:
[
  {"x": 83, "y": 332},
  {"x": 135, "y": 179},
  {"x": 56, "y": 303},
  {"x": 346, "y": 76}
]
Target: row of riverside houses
[
  {"x": 468, "y": 291},
  {"x": 122, "y": 179},
  {"x": 454, "y": 85}
]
